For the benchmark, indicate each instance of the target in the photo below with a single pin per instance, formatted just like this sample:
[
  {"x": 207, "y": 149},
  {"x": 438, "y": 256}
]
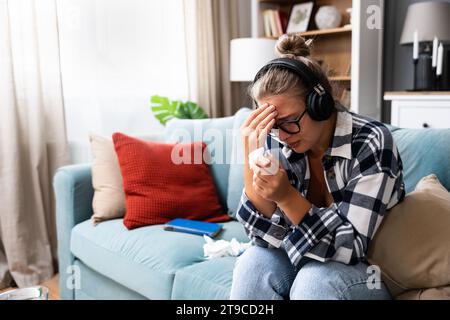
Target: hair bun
[{"x": 292, "y": 44}]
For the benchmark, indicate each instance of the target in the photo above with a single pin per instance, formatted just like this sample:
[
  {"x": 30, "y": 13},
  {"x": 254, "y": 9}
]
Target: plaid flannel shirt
[{"x": 364, "y": 174}]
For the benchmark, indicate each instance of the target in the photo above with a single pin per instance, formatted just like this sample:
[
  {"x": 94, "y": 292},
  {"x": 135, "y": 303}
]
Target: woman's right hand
[
  {"x": 254, "y": 131},
  {"x": 256, "y": 127}
]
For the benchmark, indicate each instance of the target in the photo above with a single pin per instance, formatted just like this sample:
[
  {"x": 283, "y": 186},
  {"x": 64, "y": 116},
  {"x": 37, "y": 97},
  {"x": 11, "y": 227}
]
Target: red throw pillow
[{"x": 158, "y": 190}]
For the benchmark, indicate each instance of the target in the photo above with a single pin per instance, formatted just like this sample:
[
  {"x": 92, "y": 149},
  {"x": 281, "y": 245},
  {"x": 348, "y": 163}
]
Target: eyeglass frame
[{"x": 277, "y": 126}]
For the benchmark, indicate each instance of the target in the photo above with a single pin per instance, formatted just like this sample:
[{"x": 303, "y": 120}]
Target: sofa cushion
[
  {"x": 109, "y": 198},
  {"x": 423, "y": 152},
  {"x": 144, "y": 259},
  {"x": 165, "y": 181},
  {"x": 441, "y": 293},
  {"x": 208, "y": 280},
  {"x": 216, "y": 133},
  {"x": 411, "y": 245}
]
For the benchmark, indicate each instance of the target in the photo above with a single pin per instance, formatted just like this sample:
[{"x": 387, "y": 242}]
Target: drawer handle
[{"x": 425, "y": 125}]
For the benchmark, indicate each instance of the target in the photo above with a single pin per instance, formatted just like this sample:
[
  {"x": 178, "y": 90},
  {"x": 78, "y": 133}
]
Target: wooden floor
[{"x": 52, "y": 286}]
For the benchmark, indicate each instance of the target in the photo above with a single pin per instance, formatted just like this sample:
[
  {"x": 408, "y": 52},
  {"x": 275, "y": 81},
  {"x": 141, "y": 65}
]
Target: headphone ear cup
[
  {"x": 327, "y": 105},
  {"x": 320, "y": 107},
  {"x": 311, "y": 105}
]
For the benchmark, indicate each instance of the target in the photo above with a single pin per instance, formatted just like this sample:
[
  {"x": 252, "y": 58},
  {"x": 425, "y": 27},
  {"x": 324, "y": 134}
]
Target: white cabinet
[{"x": 419, "y": 109}]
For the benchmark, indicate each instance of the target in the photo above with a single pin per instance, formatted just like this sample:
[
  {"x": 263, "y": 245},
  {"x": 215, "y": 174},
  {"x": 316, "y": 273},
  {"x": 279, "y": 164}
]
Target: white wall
[{"x": 115, "y": 54}]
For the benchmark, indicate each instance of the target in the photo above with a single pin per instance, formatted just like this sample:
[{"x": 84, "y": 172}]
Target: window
[{"x": 114, "y": 56}]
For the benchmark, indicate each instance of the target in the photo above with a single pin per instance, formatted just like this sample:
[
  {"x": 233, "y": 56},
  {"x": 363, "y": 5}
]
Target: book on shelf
[
  {"x": 283, "y": 17},
  {"x": 275, "y": 22},
  {"x": 266, "y": 20}
]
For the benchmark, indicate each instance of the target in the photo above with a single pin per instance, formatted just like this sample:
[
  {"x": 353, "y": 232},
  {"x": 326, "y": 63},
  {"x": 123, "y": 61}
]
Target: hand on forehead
[{"x": 288, "y": 106}]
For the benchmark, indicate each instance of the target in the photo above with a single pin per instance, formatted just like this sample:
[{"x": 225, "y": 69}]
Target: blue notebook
[{"x": 194, "y": 227}]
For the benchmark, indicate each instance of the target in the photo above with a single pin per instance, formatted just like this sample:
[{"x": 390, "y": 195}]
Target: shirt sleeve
[
  {"x": 342, "y": 232},
  {"x": 262, "y": 231}
]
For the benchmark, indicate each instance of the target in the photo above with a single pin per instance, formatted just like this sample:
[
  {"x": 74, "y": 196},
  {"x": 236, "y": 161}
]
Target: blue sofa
[{"x": 110, "y": 262}]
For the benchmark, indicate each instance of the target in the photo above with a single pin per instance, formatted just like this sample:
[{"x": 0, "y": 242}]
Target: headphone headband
[{"x": 296, "y": 66}]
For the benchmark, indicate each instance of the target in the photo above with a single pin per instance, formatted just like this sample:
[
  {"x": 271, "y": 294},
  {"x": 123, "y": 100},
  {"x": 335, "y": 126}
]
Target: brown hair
[{"x": 278, "y": 80}]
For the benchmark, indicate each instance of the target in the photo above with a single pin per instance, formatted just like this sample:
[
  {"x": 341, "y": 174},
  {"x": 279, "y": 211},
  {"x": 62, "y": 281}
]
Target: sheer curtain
[
  {"x": 217, "y": 23},
  {"x": 116, "y": 54},
  {"x": 32, "y": 139}
]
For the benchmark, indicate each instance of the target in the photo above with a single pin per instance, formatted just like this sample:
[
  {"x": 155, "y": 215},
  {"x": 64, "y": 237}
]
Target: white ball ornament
[{"x": 328, "y": 17}]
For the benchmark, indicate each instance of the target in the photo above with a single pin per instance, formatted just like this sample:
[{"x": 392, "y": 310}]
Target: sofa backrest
[{"x": 423, "y": 152}]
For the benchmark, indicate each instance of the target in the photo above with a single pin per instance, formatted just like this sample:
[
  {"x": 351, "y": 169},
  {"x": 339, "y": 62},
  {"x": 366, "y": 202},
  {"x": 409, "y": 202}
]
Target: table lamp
[
  {"x": 248, "y": 55},
  {"x": 427, "y": 26}
]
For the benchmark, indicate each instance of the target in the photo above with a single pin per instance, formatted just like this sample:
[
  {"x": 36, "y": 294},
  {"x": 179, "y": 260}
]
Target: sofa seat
[
  {"x": 207, "y": 280},
  {"x": 151, "y": 261}
]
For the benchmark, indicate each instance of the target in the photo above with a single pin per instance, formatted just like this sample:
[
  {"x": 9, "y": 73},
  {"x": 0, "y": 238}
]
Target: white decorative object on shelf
[
  {"x": 300, "y": 16},
  {"x": 328, "y": 17},
  {"x": 349, "y": 12}
]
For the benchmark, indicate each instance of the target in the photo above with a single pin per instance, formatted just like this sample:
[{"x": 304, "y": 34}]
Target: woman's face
[{"x": 290, "y": 107}]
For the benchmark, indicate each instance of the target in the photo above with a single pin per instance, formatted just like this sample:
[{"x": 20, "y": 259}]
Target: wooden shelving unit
[
  {"x": 325, "y": 32},
  {"x": 340, "y": 78}
]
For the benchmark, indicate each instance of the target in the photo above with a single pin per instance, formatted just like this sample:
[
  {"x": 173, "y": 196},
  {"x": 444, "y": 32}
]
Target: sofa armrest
[{"x": 73, "y": 193}]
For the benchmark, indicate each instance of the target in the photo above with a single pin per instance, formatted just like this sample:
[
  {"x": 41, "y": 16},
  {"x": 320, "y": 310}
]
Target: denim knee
[
  {"x": 262, "y": 274},
  {"x": 336, "y": 281}
]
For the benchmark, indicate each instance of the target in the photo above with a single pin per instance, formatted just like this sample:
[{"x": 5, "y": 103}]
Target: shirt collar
[
  {"x": 341, "y": 145},
  {"x": 342, "y": 139}
]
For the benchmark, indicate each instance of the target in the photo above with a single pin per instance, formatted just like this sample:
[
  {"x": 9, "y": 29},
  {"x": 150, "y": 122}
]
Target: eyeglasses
[{"x": 290, "y": 126}]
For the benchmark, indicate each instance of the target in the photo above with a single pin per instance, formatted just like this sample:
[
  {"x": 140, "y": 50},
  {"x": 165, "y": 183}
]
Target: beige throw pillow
[
  {"x": 412, "y": 245},
  {"x": 109, "y": 196},
  {"x": 442, "y": 293}
]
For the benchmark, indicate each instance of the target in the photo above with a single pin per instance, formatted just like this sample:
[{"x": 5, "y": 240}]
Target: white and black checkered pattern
[{"x": 364, "y": 174}]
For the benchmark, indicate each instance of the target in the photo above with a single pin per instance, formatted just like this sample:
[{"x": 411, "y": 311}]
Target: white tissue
[
  {"x": 258, "y": 153},
  {"x": 222, "y": 248},
  {"x": 253, "y": 156}
]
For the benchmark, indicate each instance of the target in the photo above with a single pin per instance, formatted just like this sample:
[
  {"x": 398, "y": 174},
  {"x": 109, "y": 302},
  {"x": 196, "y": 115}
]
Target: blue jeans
[{"x": 267, "y": 274}]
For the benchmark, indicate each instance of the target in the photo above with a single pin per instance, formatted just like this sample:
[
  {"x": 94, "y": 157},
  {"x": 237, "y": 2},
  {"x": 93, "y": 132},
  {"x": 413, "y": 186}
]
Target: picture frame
[{"x": 300, "y": 17}]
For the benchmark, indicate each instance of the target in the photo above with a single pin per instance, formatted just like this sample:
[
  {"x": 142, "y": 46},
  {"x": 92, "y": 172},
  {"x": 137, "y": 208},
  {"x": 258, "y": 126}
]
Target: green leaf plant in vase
[{"x": 164, "y": 109}]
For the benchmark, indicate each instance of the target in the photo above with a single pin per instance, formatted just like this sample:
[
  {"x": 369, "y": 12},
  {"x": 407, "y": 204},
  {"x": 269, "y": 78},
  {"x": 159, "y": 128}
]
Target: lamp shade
[
  {"x": 430, "y": 19},
  {"x": 248, "y": 55}
]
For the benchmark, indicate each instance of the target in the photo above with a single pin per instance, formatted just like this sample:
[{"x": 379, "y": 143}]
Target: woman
[{"x": 313, "y": 218}]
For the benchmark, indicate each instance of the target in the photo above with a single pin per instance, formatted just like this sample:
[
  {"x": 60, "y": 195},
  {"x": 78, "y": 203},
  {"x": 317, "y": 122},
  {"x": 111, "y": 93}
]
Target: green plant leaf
[
  {"x": 165, "y": 110},
  {"x": 195, "y": 111}
]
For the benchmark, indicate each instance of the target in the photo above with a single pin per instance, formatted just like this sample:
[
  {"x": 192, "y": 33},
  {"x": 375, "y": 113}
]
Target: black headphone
[{"x": 319, "y": 102}]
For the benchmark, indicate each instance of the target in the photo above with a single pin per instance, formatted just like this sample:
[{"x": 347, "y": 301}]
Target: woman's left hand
[{"x": 273, "y": 187}]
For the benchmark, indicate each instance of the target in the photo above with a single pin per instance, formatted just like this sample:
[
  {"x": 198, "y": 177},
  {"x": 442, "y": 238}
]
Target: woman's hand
[
  {"x": 256, "y": 128},
  {"x": 254, "y": 132},
  {"x": 276, "y": 188},
  {"x": 273, "y": 186}
]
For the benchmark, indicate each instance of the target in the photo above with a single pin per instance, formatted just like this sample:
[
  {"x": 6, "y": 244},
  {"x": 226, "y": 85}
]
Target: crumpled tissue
[
  {"x": 258, "y": 153},
  {"x": 223, "y": 248}
]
